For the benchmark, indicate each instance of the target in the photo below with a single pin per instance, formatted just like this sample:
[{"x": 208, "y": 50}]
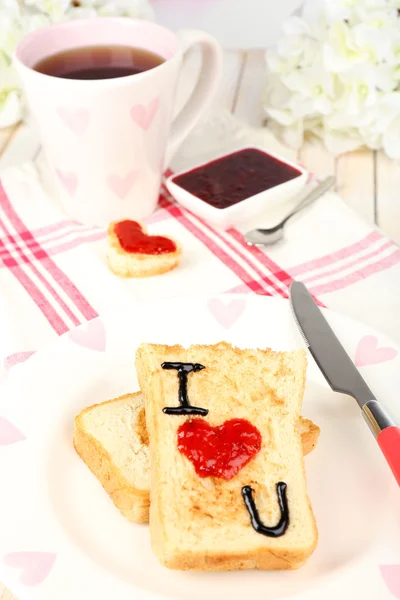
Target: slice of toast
[
  {"x": 132, "y": 264},
  {"x": 206, "y": 523},
  {"x": 120, "y": 458},
  {"x": 109, "y": 439}
]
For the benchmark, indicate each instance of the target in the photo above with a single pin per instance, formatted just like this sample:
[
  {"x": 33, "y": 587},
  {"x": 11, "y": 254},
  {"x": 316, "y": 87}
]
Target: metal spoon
[{"x": 273, "y": 235}]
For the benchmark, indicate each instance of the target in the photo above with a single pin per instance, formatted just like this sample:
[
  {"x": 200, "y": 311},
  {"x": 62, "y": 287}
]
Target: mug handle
[{"x": 204, "y": 89}]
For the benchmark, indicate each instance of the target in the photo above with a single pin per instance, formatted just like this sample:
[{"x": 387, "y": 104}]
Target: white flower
[
  {"x": 31, "y": 22},
  {"x": 139, "y": 9},
  {"x": 359, "y": 89},
  {"x": 340, "y": 10},
  {"x": 10, "y": 98},
  {"x": 125, "y": 8},
  {"x": 10, "y": 27},
  {"x": 55, "y": 9},
  {"x": 375, "y": 42},
  {"x": 338, "y": 141},
  {"x": 336, "y": 74},
  {"x": 82, "y": 9},
  {"x": 341, "y": 51},
  {"x": 291, "y": 135},
  {"x": 315, "y": 87},
  {"x": 313, "y": 13}
]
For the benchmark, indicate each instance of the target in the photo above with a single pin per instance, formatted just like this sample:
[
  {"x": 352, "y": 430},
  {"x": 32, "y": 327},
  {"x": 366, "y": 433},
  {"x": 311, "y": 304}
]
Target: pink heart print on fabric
[
  {"x": 391, "y": 576},
  {"x": 9, "y": 434},
  {"x": 16, "y": 358},
  {"x": 76, "y": 120},
  {"x": 68, "y": 180},
  {"x": 121, "y": 186},
  {"x": 144, "y": 115},
  {"x": 226, "y": 313},
  {"x": 35, "y": 566},
  {"x": 368, "y": 353},
  {"x": 91, "y": 336}
]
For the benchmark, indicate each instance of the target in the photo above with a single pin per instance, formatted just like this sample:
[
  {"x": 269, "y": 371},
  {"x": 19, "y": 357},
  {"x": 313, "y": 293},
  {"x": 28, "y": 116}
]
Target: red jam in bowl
[
  {"x": 133, "y": 239},
  {"x": 218, "y": 451},
  {"x": 232, "y": 178}
]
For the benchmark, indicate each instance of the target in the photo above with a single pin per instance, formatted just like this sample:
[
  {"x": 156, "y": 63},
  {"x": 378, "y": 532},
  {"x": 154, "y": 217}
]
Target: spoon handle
[{"x": 315, "y": 193}]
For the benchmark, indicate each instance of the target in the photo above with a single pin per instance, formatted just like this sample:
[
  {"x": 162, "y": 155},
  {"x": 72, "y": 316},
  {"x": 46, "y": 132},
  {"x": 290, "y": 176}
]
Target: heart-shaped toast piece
[
  {"x": 134, "y": 253},
  {"x": 219, "y": 451},
  {"x": 134, "y": 239}
]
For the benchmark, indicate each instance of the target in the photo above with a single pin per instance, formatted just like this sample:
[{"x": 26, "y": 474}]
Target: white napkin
[{"x": 348, "y": 265}]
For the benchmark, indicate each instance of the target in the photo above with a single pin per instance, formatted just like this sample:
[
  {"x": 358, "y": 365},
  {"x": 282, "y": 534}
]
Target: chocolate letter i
[{"x": 183, "y": 370}]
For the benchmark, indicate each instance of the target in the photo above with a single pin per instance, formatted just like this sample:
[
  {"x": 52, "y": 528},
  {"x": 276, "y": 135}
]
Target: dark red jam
[
  {"x": 228, "y": 180},
  {"x": 218, "y": 451},
  {"x": 133, "y": 239}
]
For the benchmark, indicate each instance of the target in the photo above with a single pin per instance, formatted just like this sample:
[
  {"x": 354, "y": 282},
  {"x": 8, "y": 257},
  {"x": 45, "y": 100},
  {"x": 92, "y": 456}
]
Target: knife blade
[
  {"x": 329, "y": 354},
  {"x": 341, "y": 373}
]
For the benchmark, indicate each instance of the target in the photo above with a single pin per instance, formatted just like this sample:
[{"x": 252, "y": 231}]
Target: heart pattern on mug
[
  {"x": 69, "y": 181},
  {"x": 368, "y": 352},
  {"x": 34, "y": 566},
  {"x": 91, "y": 336},
  {"x": 144, "y": 115},
  {"x": 9, "y": 434},
  {"x": 391, "y": 577},
  {"x": 120, "y": 185},
  {"x": 226, "y": 313},
  {"x": 76, "y": 120}
]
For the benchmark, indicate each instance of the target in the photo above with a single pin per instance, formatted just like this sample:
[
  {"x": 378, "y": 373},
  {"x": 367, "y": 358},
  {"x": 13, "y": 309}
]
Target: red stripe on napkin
[
  {"x": 59, "y": 226},
  {"x": 228, "y": 260},
  {"x": 266, "y": 283},
  {"x": 49, "y": 234},
  {"x": 333, "y": 257},
  {"x": 33, "y": 291},
  {"x": 264, "y": 259},
  {"x": 75, "y": 242},
  {"x": 11, "y": 262},
  {"x": 348, "y": 265},
  {"x": 62, "y": 246},
  {"x": 220, "y": 243},
  {"x": 338, "y": 284},
  {"x": 59, "y": 276}
]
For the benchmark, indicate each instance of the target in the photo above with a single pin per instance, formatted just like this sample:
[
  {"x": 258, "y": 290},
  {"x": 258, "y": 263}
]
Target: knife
[{"x": 341, "y": 373}]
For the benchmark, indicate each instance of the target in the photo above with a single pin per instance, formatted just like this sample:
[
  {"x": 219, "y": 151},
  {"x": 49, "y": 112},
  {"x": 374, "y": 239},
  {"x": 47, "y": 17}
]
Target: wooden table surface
[{"x": 368, "y": 181}]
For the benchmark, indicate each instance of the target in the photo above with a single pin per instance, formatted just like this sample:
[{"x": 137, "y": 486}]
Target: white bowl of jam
[{"x": 237, "y": 187}]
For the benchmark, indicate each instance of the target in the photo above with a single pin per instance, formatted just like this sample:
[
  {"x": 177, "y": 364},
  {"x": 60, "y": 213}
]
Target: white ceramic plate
[{"x": 61, "y": 537}]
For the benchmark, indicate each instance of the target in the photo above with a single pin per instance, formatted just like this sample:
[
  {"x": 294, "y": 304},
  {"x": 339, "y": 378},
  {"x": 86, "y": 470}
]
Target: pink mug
[{"x": 109, "y": 140}]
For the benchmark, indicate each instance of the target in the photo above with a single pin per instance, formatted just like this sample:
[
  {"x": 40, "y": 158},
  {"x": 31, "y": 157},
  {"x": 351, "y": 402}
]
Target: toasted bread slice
[
  {"x": 129, "y": 264},
  {"x": 109, "y": 439},
  {"x": 120, "y": 458},
  {"x": 202, "y": 523}
]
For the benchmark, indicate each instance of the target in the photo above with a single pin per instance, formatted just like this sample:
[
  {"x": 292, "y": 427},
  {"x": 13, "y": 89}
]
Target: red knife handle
[
  {"x": 389, "y": 442},
  {"x": 386, "y": 432}
]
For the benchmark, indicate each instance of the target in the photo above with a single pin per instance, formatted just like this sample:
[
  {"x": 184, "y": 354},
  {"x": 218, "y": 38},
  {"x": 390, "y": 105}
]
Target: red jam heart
[
  {"x": 218, "y": 451},
  {"x": 133, "y": 239}
]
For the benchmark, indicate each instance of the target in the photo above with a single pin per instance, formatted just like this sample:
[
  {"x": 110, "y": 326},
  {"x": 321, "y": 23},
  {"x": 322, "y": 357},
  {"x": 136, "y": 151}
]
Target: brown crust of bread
[
  {"x": 268, "y": 560},
  {"x": 310, "y": 435},
  {"x": 133, "y": 503},
  {"x": 127, "y": 264}
]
